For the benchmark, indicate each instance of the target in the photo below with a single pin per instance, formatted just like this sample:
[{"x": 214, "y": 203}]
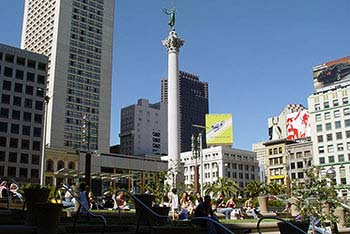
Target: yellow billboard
[{"x": 218, "y": 129}]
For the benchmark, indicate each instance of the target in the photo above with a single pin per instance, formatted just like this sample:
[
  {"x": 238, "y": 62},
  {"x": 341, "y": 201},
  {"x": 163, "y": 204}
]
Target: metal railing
[
  {"x": 217, "y": 225},
  {"x": 282, "y": 220},
  {"x": 157, "y": 216},
  {"x": 81, "y": 206}
]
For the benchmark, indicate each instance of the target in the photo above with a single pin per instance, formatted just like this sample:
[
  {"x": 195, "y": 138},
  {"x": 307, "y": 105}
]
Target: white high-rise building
[
  {"x": 77, "y": 36},
  {"x": 143, "y": 129}
]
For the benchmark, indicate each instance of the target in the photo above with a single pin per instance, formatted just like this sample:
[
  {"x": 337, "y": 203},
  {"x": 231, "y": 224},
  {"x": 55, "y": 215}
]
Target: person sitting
[
  {"x": 92, "y": 201},
  {"x": 222, "y": 208},
  {"x": 120, "y": 202},
  {"x": 288, "y": 208},
  {"x": 204, "y": 209},
  {"x": 107, "y": 200},
  {"x": 236, "y": 212},
  {"x": 186, "y": 206},
  {"x": 249, "y": 207}
]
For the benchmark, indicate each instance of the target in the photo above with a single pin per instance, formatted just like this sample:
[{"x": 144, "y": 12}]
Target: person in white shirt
[{"x": 174, "y": 202}]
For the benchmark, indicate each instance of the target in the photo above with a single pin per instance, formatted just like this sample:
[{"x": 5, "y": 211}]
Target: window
[
  {"x": 31, "y": 63},
  {"x": 60, "y": 165},
  {"x": 37, "y": 118},
  {"x": 4, "y": 113},
  {"x": 9, "y": 58},
  {"x": 327, "y": 115},
  {"x": 19, "y": 74},
  {"x": 21, "y": 61},
  {"x": 30, "y": 76},
  {"x": 346, "y": 111},
  {"x": 318, "y": 117},
  {"x": 17, "y": 101},
  {"x": 23, "y": 172},
  {"x": 35, "y": 159},
  {"x": 3, "y": 127},
  {"x": 16, "y": 114},
  {"x": 319, "y": 127},
  {"x": 321, "y": 149},
  {"x": 24, "y": 158},
  {"x": 36, "y": 145},
  {"x": 331, "y": 159},
  {"x": 339, "y": 135},
  {"x": 37, "y": 132},
  {"x": 329, "y": 137},
  {"x": 2, "y": 156},
  {"x": 13, "y": 143},
  {"x": 29, "y": 90},
  {"x": 337, "y": 124},
  {"x": 341, "y": 158},
  {"x": 26, "y": 130},
  {"x": 38, "y": 105},
  {"x": 13, "y": 157},
  {"x": 15, "y": 128},
  {"x": 330, "y": 148},
  {"x": 18, "y": 88},
  {"x": 335, "y": 102},
  {"x": 322, "y": 160},
  {"x": 25, "y": 144},
  {"x": 317, "y": 106},
  {"x": 347, "y": 122},
  {"x": 34, "y": 173},
  {"x": 28, "y": 103},
  {"x": 336, "y": 113},
  {"x": 326, "y": 105},
  {"x": 340, "y": 147},
  {"x": 6, "y": 85},
  {"x": 8, "y": 72},
  {"x": 320, "y": 138},
  {"x": 11, "y": 171},
  {"x": 328, "y": 126},
  {"x": 345, "y": 100},
  {"x": 27, "y": 116},
  {"x": 299, "y": 164},
  {"x": 2, "y": 141},
  {"x": 41, "y": 79}
]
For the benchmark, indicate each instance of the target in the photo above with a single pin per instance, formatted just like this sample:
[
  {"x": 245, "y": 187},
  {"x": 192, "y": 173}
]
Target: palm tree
[
  {"x": 223, "y": 185},
  {"x": 275, "y": 189},
  {"x": 254, "y": 188}
]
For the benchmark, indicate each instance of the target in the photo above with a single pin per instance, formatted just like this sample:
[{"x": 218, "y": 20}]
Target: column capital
[{"x": 173, "y": 42}]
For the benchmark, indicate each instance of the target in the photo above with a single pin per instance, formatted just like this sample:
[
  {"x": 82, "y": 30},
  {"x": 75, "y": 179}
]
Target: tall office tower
[
  {"x": 193, "y": 101},
  {"x": 77, "y": 36},
  {"x": 143, "y": 129},
  {"x": 329, "y": 107},
  {"x": 22, "y": 92}
]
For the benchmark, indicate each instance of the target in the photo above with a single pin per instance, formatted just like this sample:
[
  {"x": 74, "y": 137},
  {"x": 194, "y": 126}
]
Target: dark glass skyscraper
[{"x": 193, "y": 101}]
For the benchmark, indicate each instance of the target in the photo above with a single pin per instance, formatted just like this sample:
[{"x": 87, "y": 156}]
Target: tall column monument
[{"x": 173, "y": 44}]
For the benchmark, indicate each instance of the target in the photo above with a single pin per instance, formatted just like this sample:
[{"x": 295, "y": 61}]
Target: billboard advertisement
[
  {"x": 277, "y": 128},
  {"x": 331, "y": 73},
  {"x": 218, "y": 129},
  {"x": 298, "y": 125}
]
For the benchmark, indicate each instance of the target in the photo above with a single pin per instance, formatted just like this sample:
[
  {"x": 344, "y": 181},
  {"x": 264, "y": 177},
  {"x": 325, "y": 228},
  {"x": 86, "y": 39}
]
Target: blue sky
[{"x": 257, "y": 56}]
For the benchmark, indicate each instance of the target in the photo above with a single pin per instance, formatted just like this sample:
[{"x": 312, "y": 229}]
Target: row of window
[
  {"x": 26, "y": 130},
  {"x": 60, "y": 165},
  {"x": 336, "y": 114},
  {"x": 23, "y": 172},
  {"x": 21, "y": 75},
  {"x": 24, "y": 158},
  {"x": 334, "y": 103},
  {"x": 14, "y": 143},
  {"x": 276, "y": 150},
  {"x": 10, "y": 58},
  {"x": 330, "y": 148},
  {"x": 328, "y": 126},
  {"x": 17, "y": 101},
  {"x": 333, "y": 159},
  {"x": 16, "y": 115}
]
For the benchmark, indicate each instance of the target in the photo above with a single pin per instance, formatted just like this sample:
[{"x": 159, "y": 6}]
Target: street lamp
[
  {"x": 195, "y": 155},
  {"x": 42, "y": 161},
  {"x": 86, "y": 141}
]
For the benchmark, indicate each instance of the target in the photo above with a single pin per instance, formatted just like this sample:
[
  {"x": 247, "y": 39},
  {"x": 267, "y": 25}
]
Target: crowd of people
[
  {"x": 10, "y": 192},
  {"x": 187, "y": 206}
]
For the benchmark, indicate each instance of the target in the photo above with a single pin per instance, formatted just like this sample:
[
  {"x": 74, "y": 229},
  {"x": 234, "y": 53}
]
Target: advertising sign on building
[
  {"x": 277, "y": 128},
  {"x": 331, "y": 73},
  {"x": 218, "y": 129},
  {"x": 298, "y": 125}
]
